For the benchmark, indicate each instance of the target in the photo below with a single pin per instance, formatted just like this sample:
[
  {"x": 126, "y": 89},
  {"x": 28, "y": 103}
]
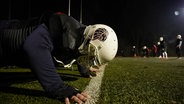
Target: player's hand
[
  {"x": 94, "y": 69},
  {"x": 80, "y": 98}
]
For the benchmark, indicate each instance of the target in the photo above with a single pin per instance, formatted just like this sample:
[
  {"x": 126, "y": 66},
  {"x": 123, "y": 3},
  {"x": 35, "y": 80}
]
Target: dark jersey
[
  {"x": 35, "y": 43},
  {"x": 65, "y": 34},
  {"x": 178, "y": 42},
  {"x": 13, "y": 33},
  {"x": 163, "y": 46}
]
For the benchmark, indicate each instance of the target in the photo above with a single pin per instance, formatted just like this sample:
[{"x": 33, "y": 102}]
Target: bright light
[{"x": 176, "y": 13}]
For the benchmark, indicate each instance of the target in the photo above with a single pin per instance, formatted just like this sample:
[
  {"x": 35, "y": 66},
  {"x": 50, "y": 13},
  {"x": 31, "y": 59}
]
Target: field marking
[{"x": 93, "y": 88}]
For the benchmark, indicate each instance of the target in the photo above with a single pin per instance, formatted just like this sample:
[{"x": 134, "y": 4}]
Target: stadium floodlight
[
  {"x": 81, "y": 11},
  {"x": 176, "y": 13},
  {"x": 69, "y": 4},
  {"x": 179, "y": 12}
]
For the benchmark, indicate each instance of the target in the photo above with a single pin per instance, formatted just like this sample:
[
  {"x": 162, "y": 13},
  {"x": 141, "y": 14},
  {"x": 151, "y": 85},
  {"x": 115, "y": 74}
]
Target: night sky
[{"x": 132, "y": 20}]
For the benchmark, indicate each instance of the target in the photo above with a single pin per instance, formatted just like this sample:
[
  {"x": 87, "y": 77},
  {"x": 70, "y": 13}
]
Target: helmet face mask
[
  {"x": 99, "y": 46},
  {"x": 89, "y": 57}
]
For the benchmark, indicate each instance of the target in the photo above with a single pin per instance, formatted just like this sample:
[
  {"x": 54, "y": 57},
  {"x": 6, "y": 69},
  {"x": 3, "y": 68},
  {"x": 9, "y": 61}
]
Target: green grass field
[
  {"x": 19, "y": 86},
  {"x": 143, "y": 81},
  {"x": 125, "y": 81}
]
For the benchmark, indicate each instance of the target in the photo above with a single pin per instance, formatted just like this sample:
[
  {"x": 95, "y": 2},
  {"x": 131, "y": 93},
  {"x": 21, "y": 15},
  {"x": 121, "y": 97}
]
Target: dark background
[{"x": 136, "y": 22}]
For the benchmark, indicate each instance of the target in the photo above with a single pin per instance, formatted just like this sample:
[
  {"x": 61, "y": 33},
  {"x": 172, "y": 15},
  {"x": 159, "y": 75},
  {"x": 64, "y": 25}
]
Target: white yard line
[{"x": 93, "y": 89}]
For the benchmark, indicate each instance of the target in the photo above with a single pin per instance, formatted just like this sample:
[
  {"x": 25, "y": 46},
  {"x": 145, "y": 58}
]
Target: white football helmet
[
  {"x": 144, "y": 47},
  {"x": 100, "y": 45},
  {"x": 158, "y": 43},
  {"x": 179, "y": 36},
  {"x": 161, "y": 38}
]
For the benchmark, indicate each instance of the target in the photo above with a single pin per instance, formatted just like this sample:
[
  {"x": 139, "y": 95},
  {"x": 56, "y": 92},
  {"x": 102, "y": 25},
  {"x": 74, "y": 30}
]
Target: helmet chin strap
[{"x": 65, "y": 65}]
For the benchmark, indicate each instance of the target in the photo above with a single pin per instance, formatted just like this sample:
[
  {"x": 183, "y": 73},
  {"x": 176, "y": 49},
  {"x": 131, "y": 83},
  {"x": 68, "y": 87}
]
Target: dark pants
[{"x": 178, "y": 52}]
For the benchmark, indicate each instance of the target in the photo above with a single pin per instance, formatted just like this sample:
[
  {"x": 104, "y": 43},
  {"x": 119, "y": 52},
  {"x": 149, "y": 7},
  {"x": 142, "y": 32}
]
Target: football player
[{"x": 40, "y": 42}]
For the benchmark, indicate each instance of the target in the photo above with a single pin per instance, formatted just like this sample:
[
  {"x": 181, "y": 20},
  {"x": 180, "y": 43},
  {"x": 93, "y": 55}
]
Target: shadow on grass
[
  {"x": 63, "y": 75},
  {"x": 9, "y": 78},
  {"x": 23, "y": 91},
  {"x": 180, "y": 66}
]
